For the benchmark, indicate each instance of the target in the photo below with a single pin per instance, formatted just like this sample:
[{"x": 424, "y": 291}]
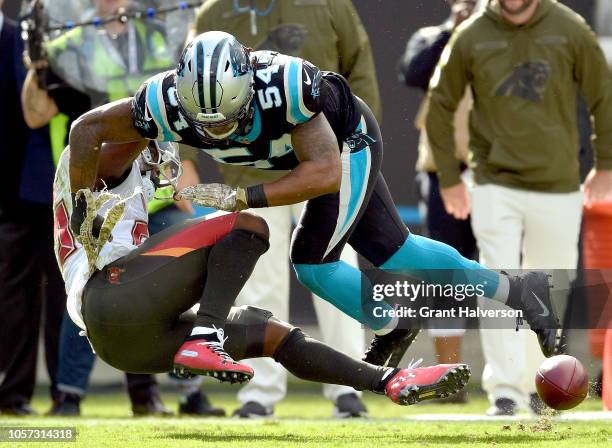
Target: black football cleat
[
  {"x": 389, "y": 349},
  {"x": 153, "y": 406},
  {"x": 253, "y": 410},
  {"x": 66, "y": 405},
  {"x": 197, "y": 404},
  {"x": 17, "y": 409},
  {"x": 530, "y": 293},
  {"x": 349, "y": 406}
]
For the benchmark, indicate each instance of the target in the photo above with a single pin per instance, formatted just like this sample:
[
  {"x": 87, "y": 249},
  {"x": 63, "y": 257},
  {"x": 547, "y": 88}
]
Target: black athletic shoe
[
  {"x": 502, "y": 406},
  {"x": 197, "y": 404},
  {"x": 153, "y": 406},
  {"x": 530, "y": 293},
  {"x": 388, "y": 350},
  {"x": 66, "y": 405},
  {"x": 17, "y": 409},
  {"x": 252, "y": 409},
  {"x": 349, "y": 406}
]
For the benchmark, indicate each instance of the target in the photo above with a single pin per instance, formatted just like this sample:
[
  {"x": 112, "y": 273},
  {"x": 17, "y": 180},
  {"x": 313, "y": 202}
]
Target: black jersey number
[{"x": 270, "y": 96}]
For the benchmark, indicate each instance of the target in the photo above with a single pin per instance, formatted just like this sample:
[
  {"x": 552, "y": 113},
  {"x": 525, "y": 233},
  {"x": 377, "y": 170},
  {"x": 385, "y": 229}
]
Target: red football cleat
[
  {"x": 203, "y": 357},
  {"x": 414, "y": 384}
]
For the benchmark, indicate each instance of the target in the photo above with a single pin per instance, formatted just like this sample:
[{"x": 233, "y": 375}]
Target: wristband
[{"x": 256, "y": 196}]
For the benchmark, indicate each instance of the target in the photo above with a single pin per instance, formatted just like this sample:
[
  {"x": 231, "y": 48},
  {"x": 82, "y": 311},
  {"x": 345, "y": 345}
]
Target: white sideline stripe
[{"x": 566, "y": 416}]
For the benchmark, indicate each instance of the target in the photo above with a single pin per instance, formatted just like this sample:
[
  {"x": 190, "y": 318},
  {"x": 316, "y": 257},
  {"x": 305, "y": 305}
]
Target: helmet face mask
[
  {"x": 161, "y": 162},
  {"x": 207, "y": 130},
  {"x": 214, "y": 82}
]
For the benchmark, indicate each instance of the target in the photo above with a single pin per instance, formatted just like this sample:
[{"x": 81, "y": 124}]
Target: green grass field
[{"x": 304, "y": 420}]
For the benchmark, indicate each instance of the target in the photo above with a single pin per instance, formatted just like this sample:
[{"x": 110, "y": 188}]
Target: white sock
[{"x": 503, "y": 289}]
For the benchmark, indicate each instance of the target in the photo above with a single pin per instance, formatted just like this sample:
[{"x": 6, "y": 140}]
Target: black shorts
[
  {"x": 137, "y": 309},
  {"x": 362, "y": 213}
]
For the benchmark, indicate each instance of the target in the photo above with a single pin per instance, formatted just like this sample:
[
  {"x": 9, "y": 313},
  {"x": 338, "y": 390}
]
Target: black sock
[
  {"x": 230, "y": 263},
  {"x": 312, "y": 360}
]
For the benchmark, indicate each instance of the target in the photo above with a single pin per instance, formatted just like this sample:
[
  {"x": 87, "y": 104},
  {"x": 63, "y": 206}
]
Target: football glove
[{"x": 219, "y": 196}]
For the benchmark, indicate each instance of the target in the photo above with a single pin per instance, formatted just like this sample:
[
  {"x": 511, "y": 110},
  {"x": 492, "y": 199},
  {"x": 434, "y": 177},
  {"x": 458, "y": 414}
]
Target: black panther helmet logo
[{"x": 527, "y": 81}]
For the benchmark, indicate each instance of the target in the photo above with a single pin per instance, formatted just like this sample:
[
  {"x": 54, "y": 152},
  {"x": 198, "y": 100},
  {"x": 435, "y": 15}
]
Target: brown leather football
[{"x": 562, "y": 382}]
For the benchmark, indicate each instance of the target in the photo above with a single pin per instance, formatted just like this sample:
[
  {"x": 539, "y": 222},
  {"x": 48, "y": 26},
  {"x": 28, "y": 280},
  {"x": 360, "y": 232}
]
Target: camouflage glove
[
  {"x": 79, "y": 212},
  {"x": 219, "y": 196}
]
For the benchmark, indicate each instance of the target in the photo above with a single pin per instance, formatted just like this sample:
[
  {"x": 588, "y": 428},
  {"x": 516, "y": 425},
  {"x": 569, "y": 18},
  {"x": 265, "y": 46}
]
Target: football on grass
[{"x": 561, "y": 382}]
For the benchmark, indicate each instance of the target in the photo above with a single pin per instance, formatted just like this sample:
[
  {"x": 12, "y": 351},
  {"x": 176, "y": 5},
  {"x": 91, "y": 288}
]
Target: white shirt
[{"x": 1, "y": 20}]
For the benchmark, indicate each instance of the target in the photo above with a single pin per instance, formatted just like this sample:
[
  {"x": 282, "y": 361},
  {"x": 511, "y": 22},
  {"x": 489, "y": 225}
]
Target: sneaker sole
[
  {"x": 450, "y": 383},
  {"x": 229, "y": 376}
]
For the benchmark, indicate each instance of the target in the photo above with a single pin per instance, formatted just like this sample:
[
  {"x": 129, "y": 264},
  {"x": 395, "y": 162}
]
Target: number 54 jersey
[{"x": 288, "y": 91}]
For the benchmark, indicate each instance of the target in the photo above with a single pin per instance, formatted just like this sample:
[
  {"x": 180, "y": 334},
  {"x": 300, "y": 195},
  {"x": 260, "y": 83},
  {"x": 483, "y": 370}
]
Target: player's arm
[
  {"x": 315, "y": 145},
  {"x": 318, "y": 172},
  {"x": 111, "y": 123}
]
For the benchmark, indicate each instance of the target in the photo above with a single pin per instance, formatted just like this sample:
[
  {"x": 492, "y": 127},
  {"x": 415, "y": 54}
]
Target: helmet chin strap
[{"x": 223, "y": 136}]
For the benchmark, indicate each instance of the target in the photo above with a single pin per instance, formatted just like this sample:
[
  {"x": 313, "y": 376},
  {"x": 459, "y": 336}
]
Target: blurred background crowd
[{"x": 388, "y": 50}]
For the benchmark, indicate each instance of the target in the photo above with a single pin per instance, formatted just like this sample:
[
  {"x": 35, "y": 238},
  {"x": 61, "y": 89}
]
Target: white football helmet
[{"x": 214, "y": 83}]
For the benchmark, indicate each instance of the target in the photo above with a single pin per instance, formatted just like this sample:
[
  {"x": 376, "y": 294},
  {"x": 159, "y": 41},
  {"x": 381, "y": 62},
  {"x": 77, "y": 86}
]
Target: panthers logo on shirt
[
  {"x": 287, "y": 93},
  {"x": 527, "y": 81}
]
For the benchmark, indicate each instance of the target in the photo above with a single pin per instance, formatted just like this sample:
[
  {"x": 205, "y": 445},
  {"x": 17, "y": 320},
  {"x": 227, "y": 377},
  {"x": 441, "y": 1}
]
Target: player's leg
[
  {"x": 326, "y": 224},
  {"x": 268, "y": 288},
  {"x": 143, "y": 294},
  {"x": 341, "y": 332},
  {"x": 378, "y": 238},
  {"x": 255, "y": 332},
  {"x": 236, "y": 250},
  {"x": 330, "y": 220}
]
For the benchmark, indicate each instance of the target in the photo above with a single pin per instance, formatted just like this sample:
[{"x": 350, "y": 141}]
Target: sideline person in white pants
[
  {"x": 529, "y": 230},
  {"x": 524, "y": 139},
  {"x": 268, "y": 288}
]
